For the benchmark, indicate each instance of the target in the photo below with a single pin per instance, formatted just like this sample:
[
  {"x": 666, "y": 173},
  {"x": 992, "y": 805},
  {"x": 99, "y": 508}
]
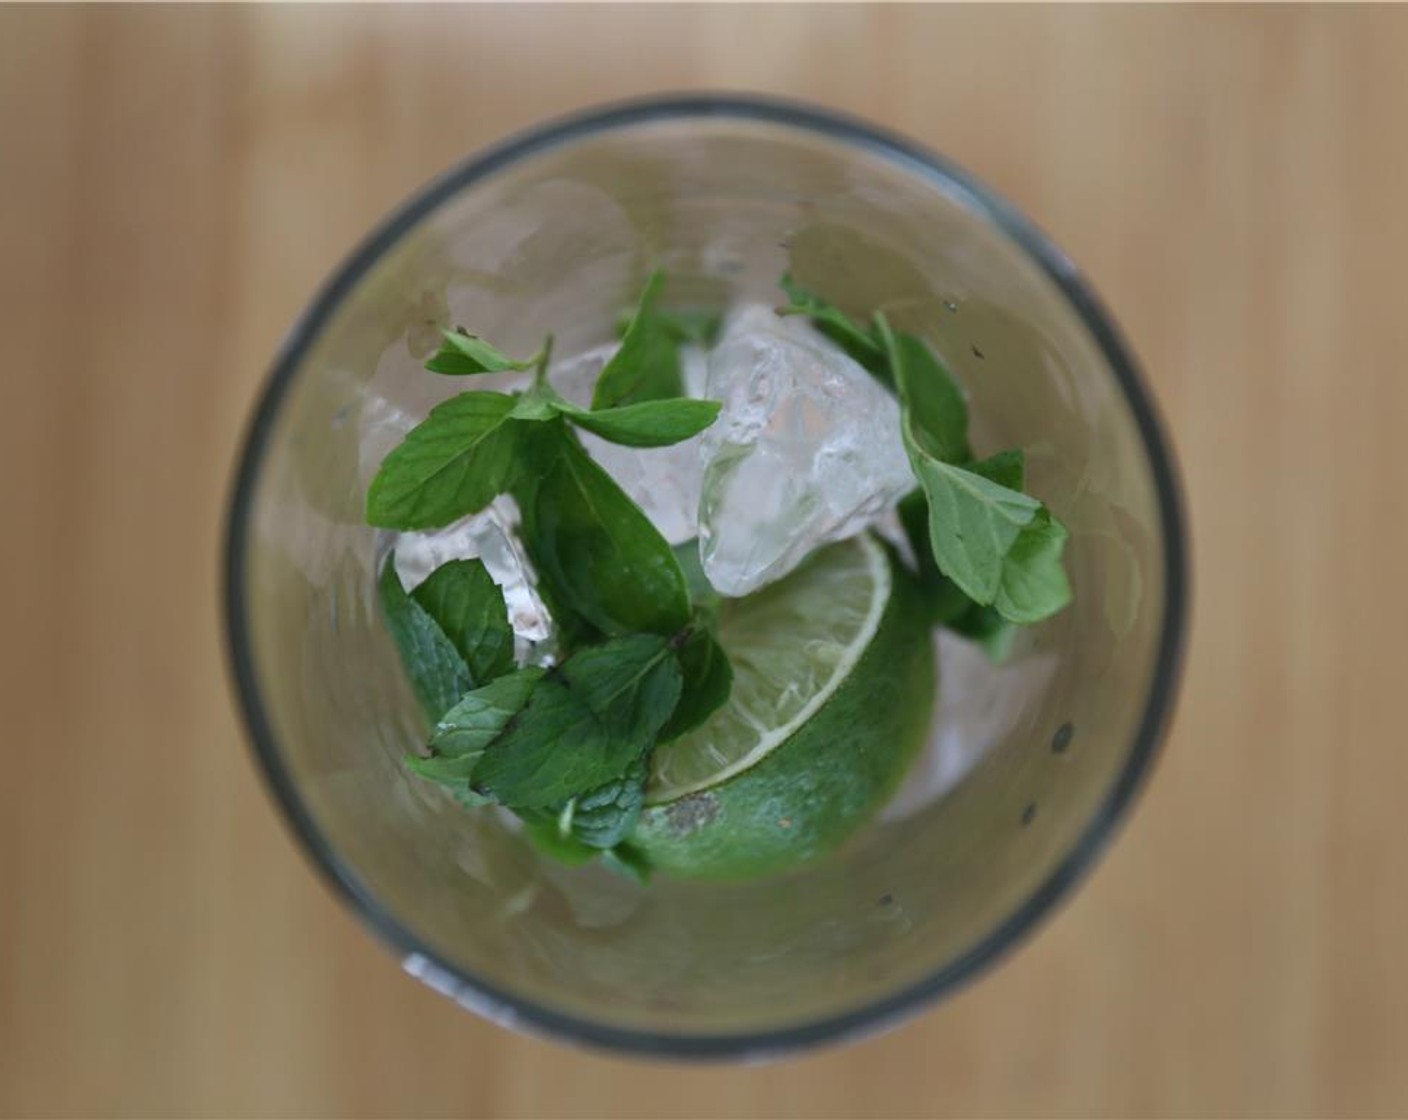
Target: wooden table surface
[{"x": 174, "y": 182}]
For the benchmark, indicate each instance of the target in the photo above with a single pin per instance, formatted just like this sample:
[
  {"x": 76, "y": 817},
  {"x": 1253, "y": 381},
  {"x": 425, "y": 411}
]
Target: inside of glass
[{"x": 561, "y": 240}]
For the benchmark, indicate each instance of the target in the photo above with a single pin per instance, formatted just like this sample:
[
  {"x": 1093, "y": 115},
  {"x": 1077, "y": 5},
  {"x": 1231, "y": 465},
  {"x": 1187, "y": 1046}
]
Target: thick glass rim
[{"x": 479, "y": 994}]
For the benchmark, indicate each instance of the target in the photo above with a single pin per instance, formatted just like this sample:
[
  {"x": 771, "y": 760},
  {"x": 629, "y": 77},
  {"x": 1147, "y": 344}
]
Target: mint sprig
[
  {"x": 996, "y": 546},
  {"x": 565, "y": 748},
  {"x": 1000, "y": 546}
]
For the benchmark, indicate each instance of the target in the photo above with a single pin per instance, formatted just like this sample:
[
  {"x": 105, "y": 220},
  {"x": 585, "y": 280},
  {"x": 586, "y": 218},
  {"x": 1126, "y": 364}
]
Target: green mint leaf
[
  {"x": 1034, "y": 583},
  {"x": 605, "y": 816},
  {"x": 438, "y": 674},
  {"x": 629, "y": 861},
  {"x": 936, "y": 410},
  {"x": 468, "y": 606},
  {"x": 647, "y": 424},
  {"x": 467, "y": 729},
  {"x": 598, "y": 553},
  {"x": 453, "y": 463},
  {"x": 464, "y": 353},
  {"x": 647, "y": 366},
  {"x": 831, "y": 321},
  {"x": 540, "y": 446},
  {"x": 708, "y": 680},
  {"x": 584, "y": 724},
  {"x": 973, "y": 523},
  {"x": 1001, "y": 547}
]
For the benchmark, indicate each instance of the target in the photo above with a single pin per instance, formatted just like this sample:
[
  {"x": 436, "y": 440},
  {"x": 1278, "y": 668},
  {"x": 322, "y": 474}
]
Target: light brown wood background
[{"x": 174, "y": 182}]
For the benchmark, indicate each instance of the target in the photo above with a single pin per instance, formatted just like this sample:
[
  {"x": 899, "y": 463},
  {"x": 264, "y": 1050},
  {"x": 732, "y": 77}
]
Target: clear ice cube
[{"x": 806, "y": 451}]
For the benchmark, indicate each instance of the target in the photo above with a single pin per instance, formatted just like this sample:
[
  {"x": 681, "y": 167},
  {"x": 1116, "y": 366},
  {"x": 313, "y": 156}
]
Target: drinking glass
[{"x": 555, "y": 230}]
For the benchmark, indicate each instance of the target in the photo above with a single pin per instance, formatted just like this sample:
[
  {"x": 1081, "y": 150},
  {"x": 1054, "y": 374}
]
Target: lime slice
[
  {"x": 791, "y": 645},
  {"x": 833, "y": 689}
]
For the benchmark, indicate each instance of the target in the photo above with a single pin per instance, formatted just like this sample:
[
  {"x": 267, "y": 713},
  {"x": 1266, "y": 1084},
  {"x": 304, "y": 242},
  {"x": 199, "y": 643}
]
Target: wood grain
[{"x": 173, "y": 183}]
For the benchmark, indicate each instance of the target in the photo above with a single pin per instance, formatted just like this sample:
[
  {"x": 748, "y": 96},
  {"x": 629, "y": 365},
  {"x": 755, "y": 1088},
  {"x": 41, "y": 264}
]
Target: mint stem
[{"x": 540, "y": 368}]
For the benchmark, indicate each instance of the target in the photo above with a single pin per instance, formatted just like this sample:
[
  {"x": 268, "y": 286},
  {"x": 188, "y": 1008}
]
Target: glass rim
[{"x": 486, "y": 998}]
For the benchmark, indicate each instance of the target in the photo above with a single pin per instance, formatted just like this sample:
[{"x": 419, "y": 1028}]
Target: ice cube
[
  {"x": 491, "y": 535},
  {"x": 663, "y": 481},
  {"x": 806, "y": 451}
]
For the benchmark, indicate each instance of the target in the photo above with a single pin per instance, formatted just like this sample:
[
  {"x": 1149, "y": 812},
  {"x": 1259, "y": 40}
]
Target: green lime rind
[{"x": 814, "y": 790}]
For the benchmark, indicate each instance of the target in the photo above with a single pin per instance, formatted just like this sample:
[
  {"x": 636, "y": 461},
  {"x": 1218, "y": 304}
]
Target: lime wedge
[
  {"x": 791, "y": 645},
  {"x": 832, "y": 694}
]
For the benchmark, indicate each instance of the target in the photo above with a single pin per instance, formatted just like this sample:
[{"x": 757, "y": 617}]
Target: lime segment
[
  {"x": 791, "y": 646},
  {"x": 767, "y": 796}
]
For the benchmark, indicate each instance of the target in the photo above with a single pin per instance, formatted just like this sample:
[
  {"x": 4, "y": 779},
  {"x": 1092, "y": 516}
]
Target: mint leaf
[
  {"x": 937, "y": 410},
  {"x": 438, "y": 674},
  {"x": 468, "y": 606},
  {"x": 707, "y": 682},
  {"x": 451, "y": 464},
  {"x": 647, "y": 424},
  {"x": 1034, "y": 583},
  {"x": 605, "y": 816},
  {"x": 598, "y": 553},
  {"x": 1000, "y": 547},
  {"x": 831, "y": 321},
  {"x": 973, "y": 523},
  {"x": 647, "y": 366},
  {"x": 464, "y": 353},
  {"x": 480, "y": 717},
  {"x": 584, "y": 723}
]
